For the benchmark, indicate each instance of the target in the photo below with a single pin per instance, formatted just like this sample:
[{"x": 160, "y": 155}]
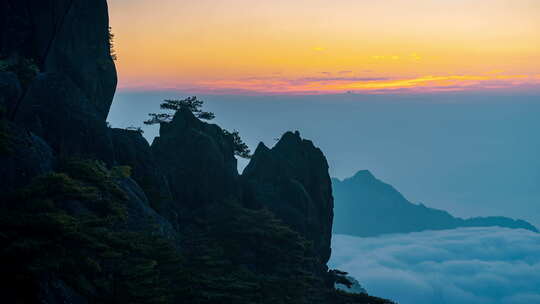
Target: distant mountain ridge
[{"x": 366, "y": 206}]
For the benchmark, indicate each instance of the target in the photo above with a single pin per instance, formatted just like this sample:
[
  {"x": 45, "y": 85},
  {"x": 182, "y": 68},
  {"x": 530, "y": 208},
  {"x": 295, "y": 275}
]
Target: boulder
[{"x": 292, "y": 180}]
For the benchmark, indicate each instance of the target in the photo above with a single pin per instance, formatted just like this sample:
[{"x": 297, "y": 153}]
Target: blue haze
[{"x": 469, "y": 154}]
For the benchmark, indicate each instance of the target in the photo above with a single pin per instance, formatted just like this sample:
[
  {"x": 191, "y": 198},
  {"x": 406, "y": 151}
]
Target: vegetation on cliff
[
  {"x": 92, "y": 214},
  {"x": 194, "y": 105},
  {"x": 63, "y": 226}
]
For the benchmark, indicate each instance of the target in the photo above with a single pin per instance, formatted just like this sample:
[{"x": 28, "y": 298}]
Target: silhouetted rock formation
[
  {"x": 131, "y": 149},
  {"x": 60, "y": 51},
  {"x": 198, "y": 161},
  {"x": 140, "y": 216},
  {"x": 57, "y": 110},
  {"x": 65, "y": 37},
  {"x": 365, "y": 206},
  {"x": 292, "y": 180},
  {"x": 92, "y": 214}
]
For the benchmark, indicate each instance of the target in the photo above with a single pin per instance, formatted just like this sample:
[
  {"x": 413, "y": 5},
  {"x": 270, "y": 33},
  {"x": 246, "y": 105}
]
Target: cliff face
[
  {"x": 67, "y": 218},
  {"x": 64, "y": 37},
  {"x": 57, "y": 110},
  {"x": 65, "y": 75},
  {"x": 23, "y": 156},
  {"x": 366, "y": 206},
  {"x": 292, "y": 180},
  {"x": 131, "y": 149},
  {"x": 198, "y": 162},
  {"x": 92, "y": 214}
]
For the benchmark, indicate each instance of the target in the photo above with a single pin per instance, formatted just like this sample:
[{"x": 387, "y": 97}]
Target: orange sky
[{"x": 321, "y": 46}]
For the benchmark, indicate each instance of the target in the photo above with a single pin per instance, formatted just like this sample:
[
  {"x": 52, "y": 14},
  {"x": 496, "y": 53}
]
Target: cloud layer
[
  {"x": 470, "y": 266},
  {"x": 336, "y": 83}
]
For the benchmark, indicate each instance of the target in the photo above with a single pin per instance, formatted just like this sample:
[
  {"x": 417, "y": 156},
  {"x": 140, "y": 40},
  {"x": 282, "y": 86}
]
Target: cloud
[
  {"x": 325, "y": 83},
  {"x": 339, "y": 79},
  {"x": 469, "y": 265}
]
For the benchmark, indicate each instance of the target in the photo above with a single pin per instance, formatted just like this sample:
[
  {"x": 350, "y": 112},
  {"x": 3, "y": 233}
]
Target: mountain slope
[
  {"x": 366, "y": 206},
  {"x": 91, "y": 214}
]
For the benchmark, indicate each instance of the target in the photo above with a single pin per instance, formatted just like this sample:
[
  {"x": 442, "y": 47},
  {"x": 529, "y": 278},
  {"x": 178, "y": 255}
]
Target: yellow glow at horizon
[{"x": 200, "y": 41}]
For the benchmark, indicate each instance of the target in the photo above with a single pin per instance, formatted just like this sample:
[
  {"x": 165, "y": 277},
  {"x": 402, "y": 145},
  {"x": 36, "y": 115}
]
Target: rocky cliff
[
  {"x": 292, "y": 180},
  {"x": 92, "y": 214},
  {"x": 131, "y": 149},
  {"x": 366, "y": 206},
  {"x": 64, "y": 37},
  {"x": 57, "y": 61},
  {"x": 198, "y": 162}
]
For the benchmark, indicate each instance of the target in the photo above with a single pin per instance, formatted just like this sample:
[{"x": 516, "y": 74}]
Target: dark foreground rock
[
  {"x": 198, "y": 162},
  {"x": 10, "y": 90},
  {"x": 141, "y": 217},
  {"x": 23, "y": 156},
  {"x": 131, "y": 149},
  {"x": 65, "y": 37},
  {"x": 53, "y": 290},
  {"x": 57, "y": 110},
  {"x": 292, "y": 180},
  {"x": 96, "y": 215}
]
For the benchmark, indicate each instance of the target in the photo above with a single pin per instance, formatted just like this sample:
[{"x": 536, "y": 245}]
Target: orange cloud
[{"x": 329, "y": 84}]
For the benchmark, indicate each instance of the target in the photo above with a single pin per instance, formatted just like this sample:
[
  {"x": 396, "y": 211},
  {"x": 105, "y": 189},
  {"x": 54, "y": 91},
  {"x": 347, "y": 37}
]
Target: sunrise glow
[{"x": 321, "y": 47}]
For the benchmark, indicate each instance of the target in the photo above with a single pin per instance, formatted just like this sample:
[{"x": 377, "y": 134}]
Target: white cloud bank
[{"x": 460, "y": 266}]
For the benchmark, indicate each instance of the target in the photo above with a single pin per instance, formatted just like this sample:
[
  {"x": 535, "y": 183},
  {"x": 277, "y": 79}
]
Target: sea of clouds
[{"x": 459, "y": 266}]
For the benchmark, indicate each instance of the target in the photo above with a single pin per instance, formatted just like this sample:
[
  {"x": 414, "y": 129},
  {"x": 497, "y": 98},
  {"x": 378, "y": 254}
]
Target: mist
[
  {"x": 470, "y": 154},
  {"x": 466, "y": 265}
]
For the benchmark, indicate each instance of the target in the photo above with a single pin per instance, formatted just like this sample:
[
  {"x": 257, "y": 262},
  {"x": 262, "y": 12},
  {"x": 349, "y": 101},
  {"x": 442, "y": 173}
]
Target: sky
[
  {"x": 469, "y": 154},
  {"x": 438, "y": 98},
  {"x": 467, "y": 265},
  {"x": 300, "y": 47}
]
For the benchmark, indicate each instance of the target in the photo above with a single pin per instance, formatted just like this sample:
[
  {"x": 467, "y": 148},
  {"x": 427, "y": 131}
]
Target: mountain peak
[
  {"x": 364, "y": 174},
  {"x": 290, "y": 139},
  {"x": 367, "y": 206}
]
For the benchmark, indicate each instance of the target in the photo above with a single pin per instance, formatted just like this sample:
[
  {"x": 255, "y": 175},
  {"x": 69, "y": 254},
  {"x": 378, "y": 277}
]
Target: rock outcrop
[
  {"x": 366, "y": 206},
  {"x": 65, "y": 37},
  {"x": 292, "y": 180},
  {"x": 60, "y": 51},
  {"x": 131, "y": 149},
  {"x": 198, "y": 162},
  {"x": 57, "y": 110},
  {"x": 92, "y": 214}
]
